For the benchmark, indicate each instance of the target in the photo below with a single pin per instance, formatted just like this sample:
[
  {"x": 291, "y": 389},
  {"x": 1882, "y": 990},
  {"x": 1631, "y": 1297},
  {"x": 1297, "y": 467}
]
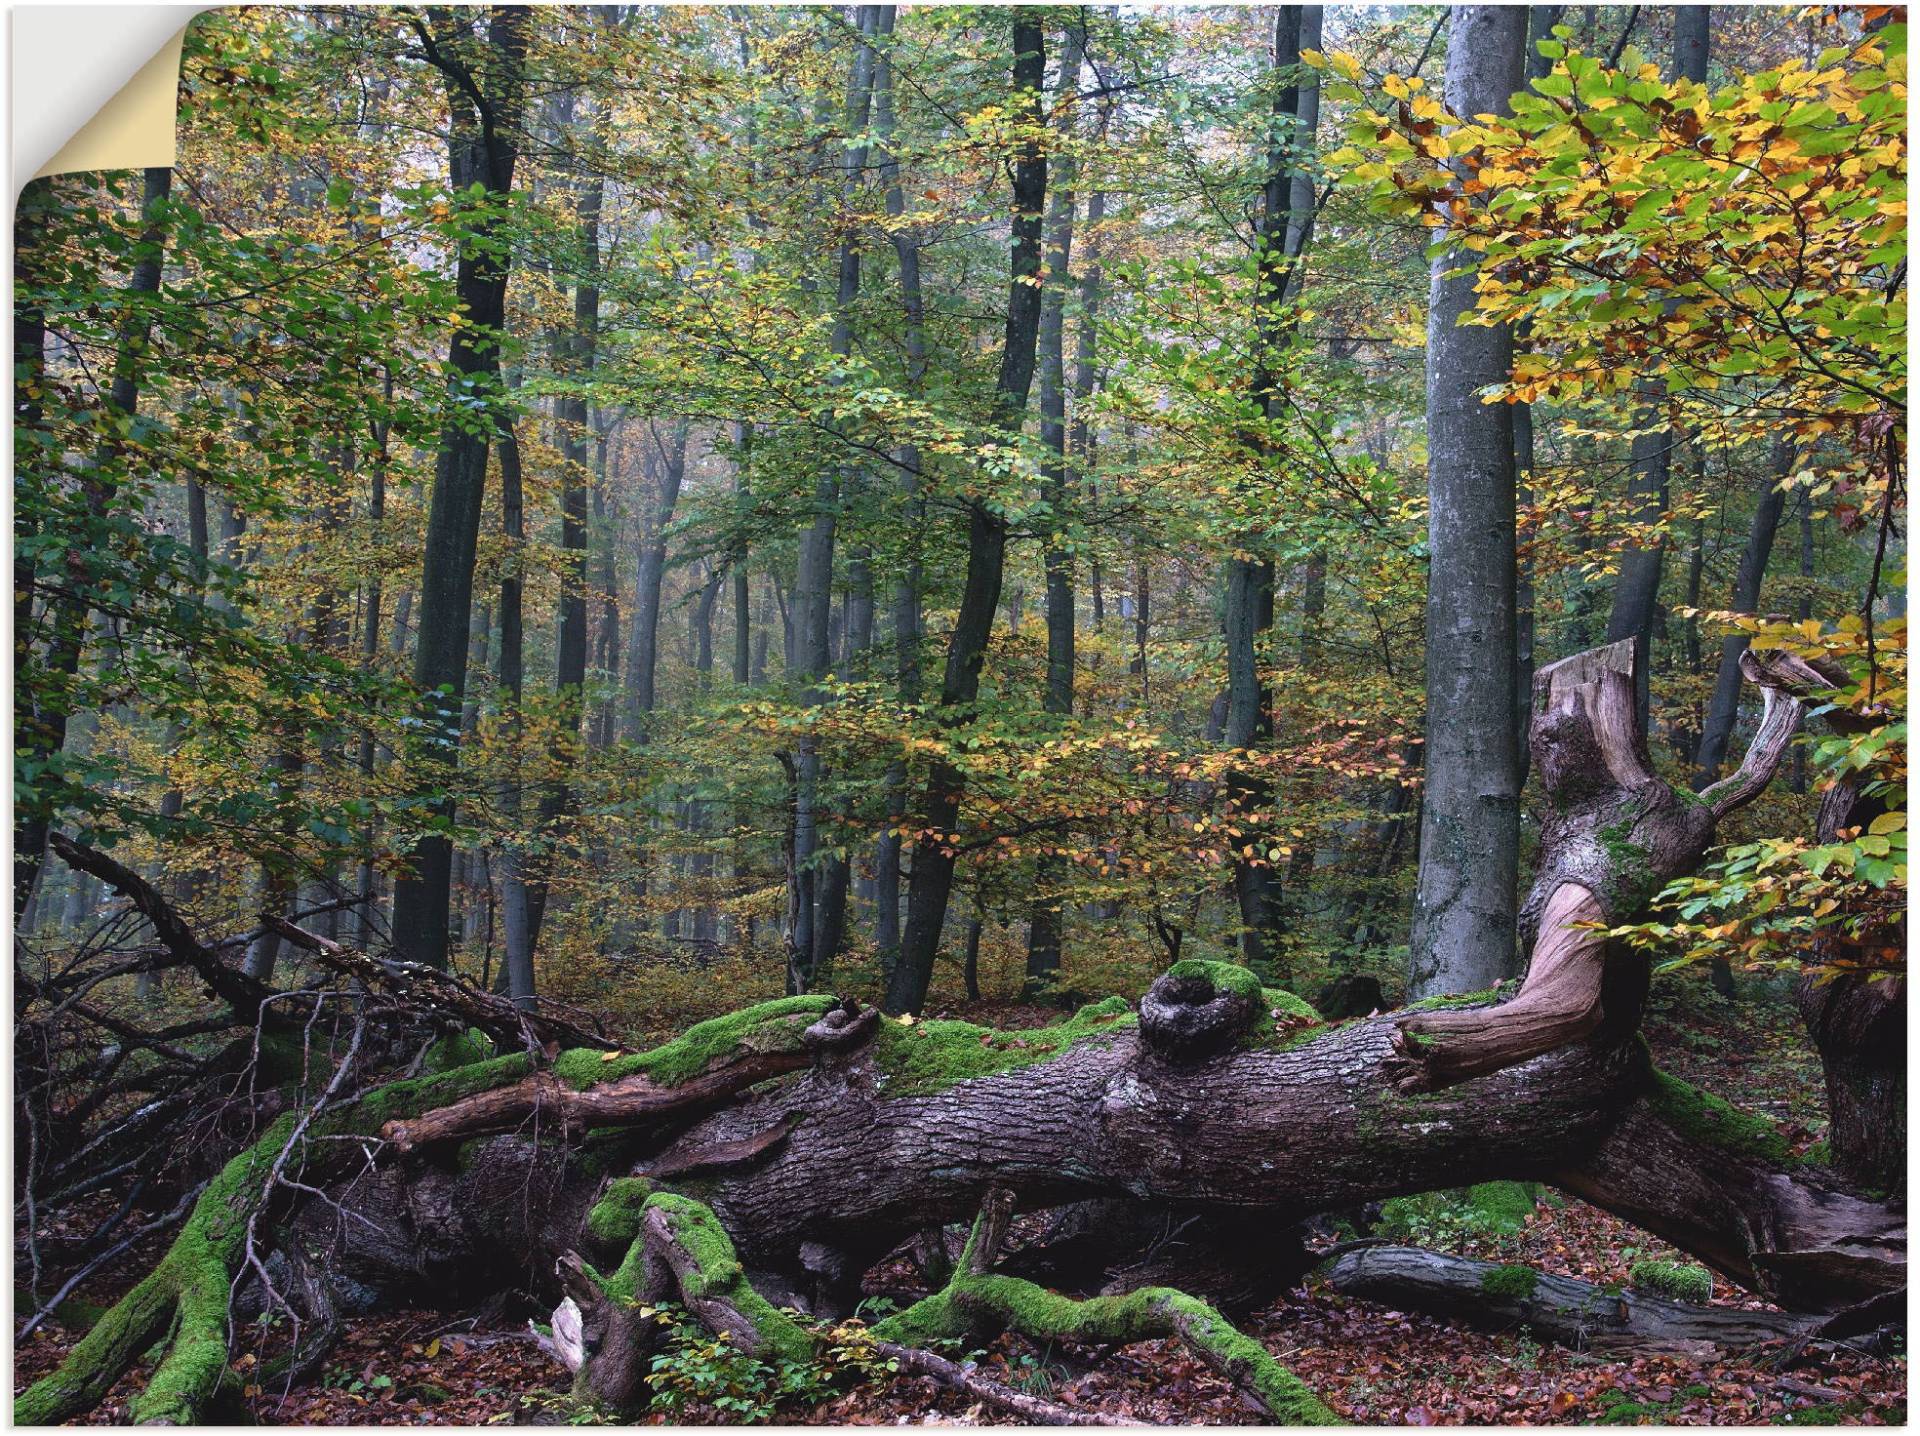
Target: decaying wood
[
  {"x": 816, "y": 1157},
  {"x": 245, "y": 995},
  {"x": 1614, "y": 835},
  {"x": 626, "y": 1102},
  {"x": 917, "y": 1361},
  {"x": 1557, "y": 1308}
]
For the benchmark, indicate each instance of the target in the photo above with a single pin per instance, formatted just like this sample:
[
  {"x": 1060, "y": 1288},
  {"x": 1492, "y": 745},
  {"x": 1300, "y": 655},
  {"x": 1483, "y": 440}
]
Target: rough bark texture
[
  {"x": 1573, "y": 1313},
  {"x": 1463, "y": 917},
  {"x": 1043, "y": 921}
]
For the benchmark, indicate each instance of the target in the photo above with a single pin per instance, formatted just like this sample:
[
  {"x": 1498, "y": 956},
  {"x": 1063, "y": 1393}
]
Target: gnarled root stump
[{"x": 1615, "y": 834}]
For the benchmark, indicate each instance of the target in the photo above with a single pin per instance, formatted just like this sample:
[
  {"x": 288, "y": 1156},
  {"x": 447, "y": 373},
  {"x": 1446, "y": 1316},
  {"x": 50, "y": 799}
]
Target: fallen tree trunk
[
  {"x": 1556, "y": 1308},
  {"x": 770, "y": 1157}
]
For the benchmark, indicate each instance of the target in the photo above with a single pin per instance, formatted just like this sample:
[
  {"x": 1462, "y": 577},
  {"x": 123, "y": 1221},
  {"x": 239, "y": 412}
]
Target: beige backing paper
[{"x": 95, "y": 86}]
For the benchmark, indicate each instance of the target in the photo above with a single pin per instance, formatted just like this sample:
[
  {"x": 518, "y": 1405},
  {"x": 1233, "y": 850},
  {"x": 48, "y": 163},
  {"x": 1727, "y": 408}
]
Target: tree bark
[
  {"x": 1463, "y": 920},
  {"x": 906, "y": 592},
  {"x": 1043, "y": 920},
  {"x": 818, "y": 904},
  {"x": 484, "y": 89},
  {"x": 668, "y": 463},
  {"x": 934, "y": 855},
  {"x": 1249, "y": 606},
  {"x": 1573, "y": 1313},
  {"x": 1724, "y": 707}
]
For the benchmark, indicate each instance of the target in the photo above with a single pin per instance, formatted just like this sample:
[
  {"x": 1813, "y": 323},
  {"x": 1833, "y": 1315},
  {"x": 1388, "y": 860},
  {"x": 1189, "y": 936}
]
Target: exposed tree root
[
  {"x": 917, "y": 1361},
  {"x": 977, "y": 1299},
  {"x": 1558, "y": 1308},
  {"x": 185, "y": 1297}
]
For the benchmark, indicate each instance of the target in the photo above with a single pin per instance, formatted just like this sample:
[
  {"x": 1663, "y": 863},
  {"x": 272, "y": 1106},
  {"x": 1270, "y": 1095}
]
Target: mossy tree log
[
  {"x": 1556, "y": 1308},
  {"x": 808, "y": 1138}
]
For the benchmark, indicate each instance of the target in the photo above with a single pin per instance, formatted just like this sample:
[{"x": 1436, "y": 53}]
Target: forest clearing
[{"x": 1068, "y": 715}]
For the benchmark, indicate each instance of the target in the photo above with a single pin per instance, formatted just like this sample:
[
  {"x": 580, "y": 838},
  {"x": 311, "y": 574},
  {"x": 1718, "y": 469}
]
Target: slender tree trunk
[
  {"x": 1636, "y": 592},
  {"x": 934, "y": 856},
  {"x": 570, "y": 658},
  {"x": 1724, "y": 707},
  {"x": 742, "y": 591},
  {"x": 906, "y": 591},
  {"x": 1803, "y": 610},
  {"x": 1043, "y": 921},
  {"x": 482, "y": 152},
  {"x": 668, "y": 464},
  {"x": 517, "y": 921},
  {"x": 1540, "y": 22},
  {"x": 43, "y": 735},
  {"x": 1464, "y": 916},
  {"x": 1250, "y": 575},
  {"x": 819, "y": 905}
]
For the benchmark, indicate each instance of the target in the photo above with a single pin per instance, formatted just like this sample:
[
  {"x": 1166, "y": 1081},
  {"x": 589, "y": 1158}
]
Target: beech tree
[{"x": 1463, "y": 916}]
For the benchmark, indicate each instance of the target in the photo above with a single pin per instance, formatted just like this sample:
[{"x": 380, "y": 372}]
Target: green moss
[
  {"x": 1446, "y": 1000},
  {"x": 1225, "y": 976},
  {"x": 719, "y": 1274},
  {"x": 186, "y": 1294},
  {"x": 1115, "y": 1320},
  {"x": 283, "y": 1058},
  {"x": 1503, "y": 1206},
  {"x": 615, "y": 1218},
  {"x": 1631, "y": 883},
  {"x": 1682, "y": 1281},
  {"x": 423, "y": 1094},
  {"x": 1154, "y": 1311},
  {"x": 1510, "y": 1283},
  {"x": 765, "y": 1027},
  {"x": 73, "y": 1313},
  {"x": 458, "y": 1049},
  {"x": 1706, "y": 1119},
  {"x": 1289, "y": 1004},
  {"x": 932, "y": 1056}
]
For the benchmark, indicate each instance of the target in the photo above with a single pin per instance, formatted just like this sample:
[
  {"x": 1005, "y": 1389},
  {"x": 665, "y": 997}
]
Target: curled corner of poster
[{"x": 95, "y": 87}]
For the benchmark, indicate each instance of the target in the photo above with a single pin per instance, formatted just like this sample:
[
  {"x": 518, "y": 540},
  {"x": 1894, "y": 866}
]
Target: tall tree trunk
[
  {"x": 1043, "y": 920},
  {"x": 1249, "y": 606},
  {"x": 1724, "y": 706},
  {"x": 1540, "y": 22},
  {"x": 906, "y": 590},
  {"x": 570, "y": 655},
  {"x": 482, "y": 151},
  {"x": 44, "y": 733},
  {"x": 667, "y": 463},
  {"x": 517, "y": 922},
  {"x": 1463, "y": 921},
  {"x": 1636, "y": 592},
  {"x": 742, "y": 590},
  {"x": 934, "y": 856},
  {"x": 819, "y": 904}
]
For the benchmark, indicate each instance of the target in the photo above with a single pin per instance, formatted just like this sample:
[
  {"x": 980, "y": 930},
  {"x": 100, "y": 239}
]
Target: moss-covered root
[
  {"x": 977, "y": 1298},
  {"x": 184, "y": 1298},
  {"x": 186, "y": 1293},
  {"x": 674, "y": 1247}
]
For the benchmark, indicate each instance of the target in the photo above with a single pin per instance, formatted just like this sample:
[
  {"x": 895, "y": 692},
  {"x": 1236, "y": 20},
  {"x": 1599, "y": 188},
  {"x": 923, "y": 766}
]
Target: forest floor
[{"x": 1372, "y": 1365}]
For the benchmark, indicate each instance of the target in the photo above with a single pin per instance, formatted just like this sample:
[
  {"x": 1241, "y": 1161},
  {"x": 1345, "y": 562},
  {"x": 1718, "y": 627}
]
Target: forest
[{"x": 1066, "y": 715}]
